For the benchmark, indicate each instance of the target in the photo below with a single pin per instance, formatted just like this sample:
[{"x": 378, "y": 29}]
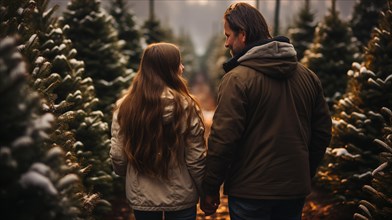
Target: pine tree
[
  {"x": 18, "y": 17},
  {"x": 378, "y": 55},
  {"x": 70, "y": 97},
  {"x": 188, "y": 54},
  {"x": 110, "y": 77},
  {"x": 35, "y": 182},
  {"x": 127, "y": 31},
  {"x": 379, "y": 203},
  {"x": 153, "y": 32},
  {"x": 152, "y": 29},
  {"x": 302, "y": 31},
  {"x": 214, "y": 58},
  {"x": 94, "y": 36},
  {"x": 365, "y": 17},
  {"x": 331, "y": 54},
  {"x": 352, "y": 155}
]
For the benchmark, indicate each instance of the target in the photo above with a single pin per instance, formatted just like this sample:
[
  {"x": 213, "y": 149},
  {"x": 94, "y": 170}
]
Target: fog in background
[{"x": 201, "y": 19}]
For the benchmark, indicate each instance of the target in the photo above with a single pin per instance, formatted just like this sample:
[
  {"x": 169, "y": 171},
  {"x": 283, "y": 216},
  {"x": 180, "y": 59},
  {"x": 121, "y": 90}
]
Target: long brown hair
[{"x": 150, "y": 142}]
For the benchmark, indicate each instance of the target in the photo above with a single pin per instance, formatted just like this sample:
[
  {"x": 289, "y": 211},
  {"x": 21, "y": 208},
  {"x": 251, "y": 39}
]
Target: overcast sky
[{"x": 202, "y": 18}]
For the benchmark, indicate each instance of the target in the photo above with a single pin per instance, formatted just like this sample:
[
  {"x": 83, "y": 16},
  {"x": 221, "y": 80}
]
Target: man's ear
[{"x": 243, "y": 37}]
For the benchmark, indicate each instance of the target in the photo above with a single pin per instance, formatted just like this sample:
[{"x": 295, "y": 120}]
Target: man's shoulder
[
  {"x": 241, "y": 76},
  {"x": 306, "y": 71},
  {"x": 241, "y": 72}
]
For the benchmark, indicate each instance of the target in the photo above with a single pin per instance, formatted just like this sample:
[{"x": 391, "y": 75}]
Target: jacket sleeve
[
  {"x": 117, "y": 154},
  {"x": 195, "y": 152},
  {"x": 321, "y": 125},
  {"x": 227, "y": 128}
]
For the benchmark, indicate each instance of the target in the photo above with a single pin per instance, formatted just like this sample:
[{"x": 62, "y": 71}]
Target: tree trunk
[{"x": 276, "y": 20}]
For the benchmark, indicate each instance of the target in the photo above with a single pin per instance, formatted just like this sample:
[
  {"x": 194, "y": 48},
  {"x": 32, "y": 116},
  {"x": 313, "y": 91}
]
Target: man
[{"x": 271, "y": 126}]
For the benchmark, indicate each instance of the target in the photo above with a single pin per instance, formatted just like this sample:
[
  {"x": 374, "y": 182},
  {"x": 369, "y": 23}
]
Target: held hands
[{"x": 209, "y": 204}]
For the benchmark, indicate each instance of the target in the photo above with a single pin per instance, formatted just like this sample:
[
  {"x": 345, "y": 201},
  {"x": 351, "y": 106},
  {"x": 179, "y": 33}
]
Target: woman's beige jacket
[{"x": 182, "y": 189}]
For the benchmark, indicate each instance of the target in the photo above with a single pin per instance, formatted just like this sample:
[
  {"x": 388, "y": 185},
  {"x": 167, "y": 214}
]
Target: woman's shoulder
[
  {"x": 173, "y": 97},
  {"x": 168, "y": 94}
]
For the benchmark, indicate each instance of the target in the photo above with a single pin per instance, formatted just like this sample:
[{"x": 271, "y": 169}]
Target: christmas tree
[
  {"x": 80, "y": 130},
  {"x": 352, "y": 156},
  {"x": 188, "y": 54},
  {"x": 301, "y": 33},
  {"x": 59, "y": 77},
  {"x": 379, "y": 204},
  {"x": 94, "y": 36},
  {"x": 127, "y": 31},
  {"x": 331, "y": 54},
  {"x": 152, "y": 29},
  {"x": 214, "y": 57},
  {"x": 365, "y": 17},
  {"x": 153, "y": 32},
  {"x": 35, "y": 182},
  {"x": 19, "y": 17}
]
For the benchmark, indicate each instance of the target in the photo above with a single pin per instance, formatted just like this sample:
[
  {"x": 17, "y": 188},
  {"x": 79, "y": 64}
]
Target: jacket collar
[{"x": 233, "y": 62}]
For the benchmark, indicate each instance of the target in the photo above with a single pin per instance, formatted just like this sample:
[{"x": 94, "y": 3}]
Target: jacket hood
[{"x": 274, "y": 57}]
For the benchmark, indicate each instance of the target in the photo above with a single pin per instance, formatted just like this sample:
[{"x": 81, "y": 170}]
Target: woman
[{"x": 158, "y": 139}]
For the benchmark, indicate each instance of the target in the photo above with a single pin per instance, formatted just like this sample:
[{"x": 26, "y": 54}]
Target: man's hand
[{"x": 209, "y": 204}]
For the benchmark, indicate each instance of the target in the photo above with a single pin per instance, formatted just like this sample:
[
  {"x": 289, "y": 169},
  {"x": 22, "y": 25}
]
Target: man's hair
[{"x": 244, "y": 17}]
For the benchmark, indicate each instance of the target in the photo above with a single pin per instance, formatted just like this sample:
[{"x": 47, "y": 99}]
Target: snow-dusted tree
[
  {"x": 302, "y": 31},
  {"x": 216, "y": 54},
  {"x": 18, "y": 17},
  {"x": 352, "y": 156},
  {"x": 125, "y": 23},
  {"x": 378, "y": 57},
  {"x": 152, "y": 29},
  {"x": 332, "y": 53},
  {"x": 94, "y": 36},
  {"x": 70, "y": 96},
  {"x": 379, "y": 203},
  {"x": 365, "y": 17},
  {"x": 188, "y": 54},
  {"x": 154, "y": 32},
  {"x": 35, "y": 181}
]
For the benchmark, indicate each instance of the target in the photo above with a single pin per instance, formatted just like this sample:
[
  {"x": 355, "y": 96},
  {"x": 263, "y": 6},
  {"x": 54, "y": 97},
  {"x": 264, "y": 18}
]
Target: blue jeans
[
  {"x": 185, "y": 214},
  {"x": 265, "y": 209}
]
